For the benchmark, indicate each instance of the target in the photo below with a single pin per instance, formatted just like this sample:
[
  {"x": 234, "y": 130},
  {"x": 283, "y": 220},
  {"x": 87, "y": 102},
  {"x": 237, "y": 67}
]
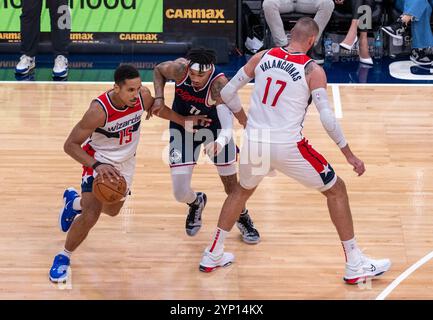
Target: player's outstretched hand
[
  {"x": 358, "y": 165},
  {"x": 158, "y": 105},
  {"x": 192, "y": 121},
  {"x": 107, "y": 171}
]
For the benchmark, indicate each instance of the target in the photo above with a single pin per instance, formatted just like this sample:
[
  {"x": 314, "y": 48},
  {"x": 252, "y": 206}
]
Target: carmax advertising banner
[{"x": 136, "y": 21}]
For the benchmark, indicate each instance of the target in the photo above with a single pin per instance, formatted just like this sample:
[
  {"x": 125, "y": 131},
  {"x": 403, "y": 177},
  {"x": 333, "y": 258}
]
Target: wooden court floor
[{"x": 145, "y": 254}]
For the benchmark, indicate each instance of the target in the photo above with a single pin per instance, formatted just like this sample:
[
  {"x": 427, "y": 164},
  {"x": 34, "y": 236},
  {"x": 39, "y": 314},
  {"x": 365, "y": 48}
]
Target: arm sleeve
[
  {"x": 327, "y": 117},
  {"x": 229, "y": 92},
  {"x": 226, "y": 119}
]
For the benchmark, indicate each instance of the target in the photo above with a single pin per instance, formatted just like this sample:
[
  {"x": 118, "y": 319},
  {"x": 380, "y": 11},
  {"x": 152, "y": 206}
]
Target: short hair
[
  {"x": 124, "y": 72},
  {"x": 304, "y": 28},
  {"x": 202, "y": 56}
]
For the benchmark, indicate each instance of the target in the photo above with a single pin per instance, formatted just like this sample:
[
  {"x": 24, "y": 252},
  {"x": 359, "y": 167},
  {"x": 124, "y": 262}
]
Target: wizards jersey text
[{"x": 117, "y": 140}]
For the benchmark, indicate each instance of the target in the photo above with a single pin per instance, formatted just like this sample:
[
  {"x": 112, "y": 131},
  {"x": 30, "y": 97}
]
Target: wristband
[{"x": 96, "y": 164}]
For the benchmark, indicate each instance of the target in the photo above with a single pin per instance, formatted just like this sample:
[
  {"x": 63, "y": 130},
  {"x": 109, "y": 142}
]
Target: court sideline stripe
[{"x": 403, "y": 276}]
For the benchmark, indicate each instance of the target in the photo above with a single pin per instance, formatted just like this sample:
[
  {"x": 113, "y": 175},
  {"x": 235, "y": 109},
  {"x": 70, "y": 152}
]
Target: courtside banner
[
  {"x": 131, "y": 21},
  {"x": 200, "y": 18}
]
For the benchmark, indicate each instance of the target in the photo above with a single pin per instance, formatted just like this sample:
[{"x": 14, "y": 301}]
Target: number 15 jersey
[
  {"x": 280, "y": 98},
  {"x": 117, "y": 140}
]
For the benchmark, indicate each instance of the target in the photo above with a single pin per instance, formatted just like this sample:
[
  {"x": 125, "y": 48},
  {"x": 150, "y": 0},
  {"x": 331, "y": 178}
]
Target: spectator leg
[
  {"x": 60, "y": 30},
  {"x": 30, "y": 26},
  {"x": 421, "y": 11},
  {"x": 352, "y": 33},
  {"x": 273, "y": 10},
  {"x": 321, "y": 8},
  {"x": 363, "y": 45}
]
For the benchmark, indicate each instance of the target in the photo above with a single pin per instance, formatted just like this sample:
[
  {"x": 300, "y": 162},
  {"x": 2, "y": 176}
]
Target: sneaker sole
[
  {"x": 363, "y": 278},
  {"x": 425, "y": 64},
  {"x": 63, "y": 279},
  {"x": 60, "y": 75},
  {"x": 192, "y": 232},
  {"x": 210, "y": 269},
  {"x": 392, "y": 35},
  {"x": 24, "y": 72},
  {"x": 250, "y": 241}
]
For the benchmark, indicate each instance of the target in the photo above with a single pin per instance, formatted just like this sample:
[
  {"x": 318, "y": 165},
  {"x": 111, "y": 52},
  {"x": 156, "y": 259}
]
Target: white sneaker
[
  {"x": 25, "y": 65},
  {"x": 367, "y": 269},
  {"x": 210, "y": 261},
  {"x": 60, "y": 67}
]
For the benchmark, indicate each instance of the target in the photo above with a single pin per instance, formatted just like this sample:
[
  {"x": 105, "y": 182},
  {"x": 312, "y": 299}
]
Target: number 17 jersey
[{"x": 280, "y": 98}]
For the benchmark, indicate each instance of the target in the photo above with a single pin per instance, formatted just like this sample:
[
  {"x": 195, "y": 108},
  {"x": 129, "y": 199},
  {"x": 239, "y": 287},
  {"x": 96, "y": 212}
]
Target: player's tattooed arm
[
  {"x": 216, "y": 88},
  {"x": 315, "y": 76},
  {"x": 169, "y": 70},
  {"x": 309, "y": 68}
]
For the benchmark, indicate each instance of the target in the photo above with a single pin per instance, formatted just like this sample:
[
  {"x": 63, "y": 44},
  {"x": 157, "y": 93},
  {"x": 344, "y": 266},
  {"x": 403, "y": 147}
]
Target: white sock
[
  {"x": 352, "y": 252},
  {"x": 76, "y": 205},
  {"x": 66, "y": 253},
  {"x": 217, "y": 246}
]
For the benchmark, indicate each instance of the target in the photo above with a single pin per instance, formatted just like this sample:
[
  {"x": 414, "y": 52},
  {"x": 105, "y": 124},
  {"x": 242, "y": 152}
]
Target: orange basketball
[{"x": 109, "y": 192}]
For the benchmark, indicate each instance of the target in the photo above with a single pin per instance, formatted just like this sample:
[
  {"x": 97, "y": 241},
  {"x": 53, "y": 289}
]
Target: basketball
[{"x": 109, "y": 192}]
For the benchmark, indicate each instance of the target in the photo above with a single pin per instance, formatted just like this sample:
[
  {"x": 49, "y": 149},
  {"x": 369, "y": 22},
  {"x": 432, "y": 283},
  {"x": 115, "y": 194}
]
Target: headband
[{"x": 204, "y": 67}]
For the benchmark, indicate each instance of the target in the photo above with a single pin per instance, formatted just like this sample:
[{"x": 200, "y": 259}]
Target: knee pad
[{"x": 181, "y": 180}]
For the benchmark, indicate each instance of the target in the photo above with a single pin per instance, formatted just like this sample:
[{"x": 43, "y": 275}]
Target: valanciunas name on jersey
[{"x": 283, "y": 65}]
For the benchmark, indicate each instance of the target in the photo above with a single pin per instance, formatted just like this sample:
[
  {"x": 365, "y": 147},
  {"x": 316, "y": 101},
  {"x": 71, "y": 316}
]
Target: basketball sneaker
[
  {"x": 59, "y": 269},
  {"x": 193, "y": 220},
  {"x": 421, "y": 57},
  {"x": 67, "y": 214},
  {"x": 396, "y": 30},
  {"x": 245, "y": 225},
  {"x": 25, "y": 65},
  {"x": 60, "y": 68},
  {"x": 211, "y": 261},
  {"x": 367, "y": 269}
]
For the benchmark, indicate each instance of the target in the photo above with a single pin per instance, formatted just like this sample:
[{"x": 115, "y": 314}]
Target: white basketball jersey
[
  {"x": 280, "y": 98},
  {"x": 117, "y": 140}
]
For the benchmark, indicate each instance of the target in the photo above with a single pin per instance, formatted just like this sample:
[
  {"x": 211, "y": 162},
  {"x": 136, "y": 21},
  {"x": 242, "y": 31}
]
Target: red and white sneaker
[
  {"x": 210, "y": 261},
  {"x": 366, "y": 269}
]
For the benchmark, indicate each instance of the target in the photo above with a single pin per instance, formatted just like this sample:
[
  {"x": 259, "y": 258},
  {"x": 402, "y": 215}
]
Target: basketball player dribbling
[
  {"x": 285, "y": 81},
  {"x": 197, "y": 91},
  {"x": 105, "y": 142}
]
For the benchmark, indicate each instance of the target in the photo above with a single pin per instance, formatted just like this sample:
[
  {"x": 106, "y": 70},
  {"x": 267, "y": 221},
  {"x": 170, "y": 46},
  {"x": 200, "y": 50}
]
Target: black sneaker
[
  {"x": 420, "y": 57},
  {"x": 249, "y": 233},
  {"x": 396, "y": 30},
  {"x": 193, "y": 220},
  {"x": 429, "y": 52}
]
